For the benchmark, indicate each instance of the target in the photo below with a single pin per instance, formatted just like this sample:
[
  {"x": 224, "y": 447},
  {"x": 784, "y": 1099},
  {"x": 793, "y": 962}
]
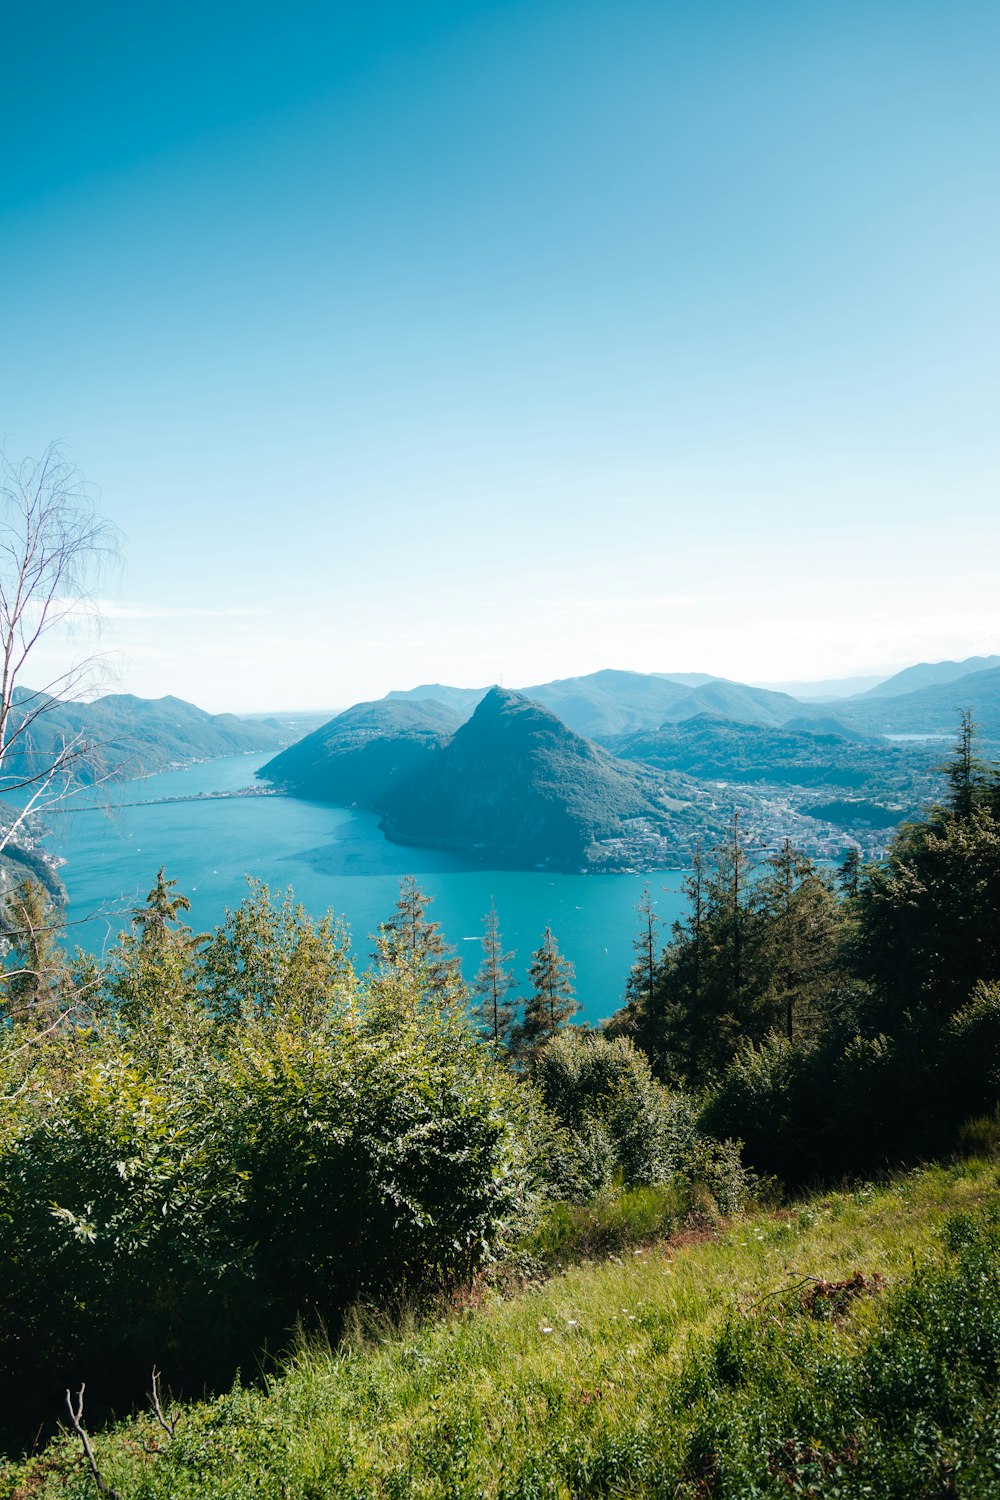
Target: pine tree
[
  {"x": 551, "y": 1002},
  {"x": 154, "y": 965},
  {"x": 36, "y": 970},
  {"x": 641, "y": 982},
  {"x": 493, "y": 983},
  {"x": 410, "y": 942},
  {"x": 155, "y": 918},
  {"x": 799, "y": 929},
  {"x": 849, "y": 874},
  {"x": 730, "y": 895},
  {"x": 964, "y": 772},
  {"x": 927, "y": 918}
]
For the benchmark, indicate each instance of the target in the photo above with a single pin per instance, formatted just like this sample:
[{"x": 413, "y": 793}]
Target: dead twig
[
  {"x": 76, "y": 1417},
  {"x": 169, "y": 1425}
]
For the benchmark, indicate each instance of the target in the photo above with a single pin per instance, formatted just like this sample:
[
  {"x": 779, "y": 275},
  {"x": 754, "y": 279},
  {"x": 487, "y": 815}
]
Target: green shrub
[
  {"x": 971, "y": 1052},
  {"x": 188, "y": 1187},
  {"x": 618, "y": 1121}
]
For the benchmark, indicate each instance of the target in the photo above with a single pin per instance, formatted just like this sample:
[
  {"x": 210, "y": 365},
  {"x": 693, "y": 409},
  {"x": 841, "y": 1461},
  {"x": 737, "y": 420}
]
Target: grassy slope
[{"x": 617, "y": 1379}]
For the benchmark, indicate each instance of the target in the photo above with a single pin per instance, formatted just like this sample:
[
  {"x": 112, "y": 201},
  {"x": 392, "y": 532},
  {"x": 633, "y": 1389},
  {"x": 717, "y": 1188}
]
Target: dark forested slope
[{"x": 358, "y": 758}]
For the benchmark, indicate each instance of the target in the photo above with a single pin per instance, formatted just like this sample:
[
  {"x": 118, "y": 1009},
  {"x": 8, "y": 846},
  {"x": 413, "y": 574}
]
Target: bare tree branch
[
  {"x": 169, "y": 1425},
  {"x": 54, "y": 547},
  {"x": 76, "y": 1417}
]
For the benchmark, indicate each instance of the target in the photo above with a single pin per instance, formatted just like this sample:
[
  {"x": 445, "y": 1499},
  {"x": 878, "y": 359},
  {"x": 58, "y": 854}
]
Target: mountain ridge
[{"x": 129, "y": 736}]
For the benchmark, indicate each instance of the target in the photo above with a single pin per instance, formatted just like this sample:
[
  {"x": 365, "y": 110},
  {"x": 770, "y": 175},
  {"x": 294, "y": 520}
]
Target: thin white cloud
[
  {"x": 108, "y": 610},
  {"x": 638, "y": 605}
]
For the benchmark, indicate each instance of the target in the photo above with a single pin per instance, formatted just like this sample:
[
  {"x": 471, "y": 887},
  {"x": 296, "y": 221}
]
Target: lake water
[{"x": 334, "y": 858}]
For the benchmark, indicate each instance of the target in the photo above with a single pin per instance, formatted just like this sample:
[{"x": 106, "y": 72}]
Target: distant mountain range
[
  {"x": 932, "y": 710},
  {"x": 931, "y": 674},
  {"x": 609, "y": 703},
  {"x": 923, "y": 699},
  {"x": 825, "y": 689},
  {"x": 606, "y": 770}
]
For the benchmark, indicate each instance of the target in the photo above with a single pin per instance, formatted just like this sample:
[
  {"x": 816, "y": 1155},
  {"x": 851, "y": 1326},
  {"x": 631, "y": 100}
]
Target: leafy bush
[
  {"x": 188, "y": 1186},
  {"x": 971, "y": 1051},
  {"x": 619, "y": 1120},
  {"x": 617, "y": 1126}
]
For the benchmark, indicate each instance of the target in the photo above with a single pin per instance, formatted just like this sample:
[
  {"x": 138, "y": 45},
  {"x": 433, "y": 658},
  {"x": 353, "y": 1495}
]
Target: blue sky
[{"x": 475, "y": 341}]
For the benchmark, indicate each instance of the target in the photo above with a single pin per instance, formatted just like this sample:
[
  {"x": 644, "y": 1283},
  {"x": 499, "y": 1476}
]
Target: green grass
[
  {"x": 611, "y": 1222},
  {"x": 686, "y": 1368}
]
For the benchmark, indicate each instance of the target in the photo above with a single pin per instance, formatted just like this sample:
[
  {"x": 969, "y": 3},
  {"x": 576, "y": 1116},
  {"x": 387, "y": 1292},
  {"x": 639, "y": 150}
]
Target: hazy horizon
[{"x": 810, "y": 691}]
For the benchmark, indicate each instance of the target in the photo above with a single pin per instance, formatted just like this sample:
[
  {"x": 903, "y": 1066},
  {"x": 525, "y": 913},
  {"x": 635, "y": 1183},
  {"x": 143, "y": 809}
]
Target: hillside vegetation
[{"x": 848, "y": 1345}]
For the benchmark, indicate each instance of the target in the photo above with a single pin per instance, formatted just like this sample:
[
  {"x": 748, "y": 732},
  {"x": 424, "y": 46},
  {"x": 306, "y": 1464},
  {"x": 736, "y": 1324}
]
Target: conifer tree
[
  {"x": 800, "y": 924},
  {"x": 849, "y": 874},
  {"x": 154, "y": 965},
  {"x": 551, "y": 1002},
  {"x": 706, "y": 996},
  {"x": 928, "y": 917},
  {"x": 37, "y": 974},
  {"x": 154, "y": 919},
  {"x": 409, "y": 941},
  {"x": 964, "y": 772},
  {"x": 493, "y": 983},
  {"x": 641, "y": 982},
  {"x": 730, "y": 894}
]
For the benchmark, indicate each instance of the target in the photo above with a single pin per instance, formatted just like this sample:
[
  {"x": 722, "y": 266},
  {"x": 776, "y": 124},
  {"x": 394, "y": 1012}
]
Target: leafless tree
[{"x": 54, "y": 549}]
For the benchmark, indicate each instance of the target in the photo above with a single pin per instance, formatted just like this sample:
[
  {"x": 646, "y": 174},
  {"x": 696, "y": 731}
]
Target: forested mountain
[
  {"x": 824, "y": 774},
  {"x": 513, "y": 784},
  {"x": 127, "y": 736},
  {"x": 359, "y": 757},
  {"x": 930, "y": 710},
  {"x": 516, "y": 786},
  {"x": 931, "y": 674},
  {"x": 722, "y": 749},
  {"x": 22, "y": 859}
]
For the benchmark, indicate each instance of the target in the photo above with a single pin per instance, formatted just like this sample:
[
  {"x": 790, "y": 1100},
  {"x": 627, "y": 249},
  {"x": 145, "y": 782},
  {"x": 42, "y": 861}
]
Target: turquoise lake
[{"x": 334, "y": 858}]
